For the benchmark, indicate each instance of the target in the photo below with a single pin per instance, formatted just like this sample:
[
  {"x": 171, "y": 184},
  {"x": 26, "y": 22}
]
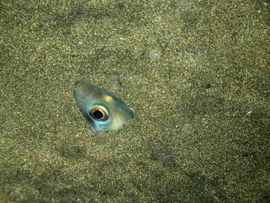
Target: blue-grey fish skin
[{"x": 90, "y": 97}]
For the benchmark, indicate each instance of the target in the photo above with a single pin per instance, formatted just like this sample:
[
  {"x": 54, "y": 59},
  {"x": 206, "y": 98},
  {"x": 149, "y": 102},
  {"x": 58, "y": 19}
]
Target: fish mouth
[
  {"x": 78, "y": 83},
  {"x": 83, "y": 82},
  {"x": 85, "y": 87},
  {"x": 77, "y": 87}
]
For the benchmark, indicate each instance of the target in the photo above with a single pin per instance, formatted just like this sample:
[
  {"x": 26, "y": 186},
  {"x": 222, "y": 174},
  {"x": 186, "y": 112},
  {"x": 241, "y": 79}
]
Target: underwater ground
[{"x": 196, "y": 73}]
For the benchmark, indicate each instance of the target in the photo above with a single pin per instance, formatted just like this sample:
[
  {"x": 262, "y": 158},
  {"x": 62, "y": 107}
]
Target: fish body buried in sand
[{"x": 102, "y": 109}]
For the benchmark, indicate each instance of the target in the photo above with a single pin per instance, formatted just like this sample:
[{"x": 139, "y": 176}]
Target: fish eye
[{"x": 99, "y": 112}]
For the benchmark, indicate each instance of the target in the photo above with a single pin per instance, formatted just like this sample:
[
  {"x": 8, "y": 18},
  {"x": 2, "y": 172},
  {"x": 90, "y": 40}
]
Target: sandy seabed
[{"x": 196, "y": 73}]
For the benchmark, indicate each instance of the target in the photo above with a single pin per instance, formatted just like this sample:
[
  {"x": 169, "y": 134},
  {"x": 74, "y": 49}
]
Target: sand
[{"x": 196, "y": 73}]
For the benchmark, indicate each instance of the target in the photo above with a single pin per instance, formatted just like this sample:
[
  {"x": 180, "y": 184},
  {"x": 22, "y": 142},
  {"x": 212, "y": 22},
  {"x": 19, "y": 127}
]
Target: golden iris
[{"x": 99, "y": 112}]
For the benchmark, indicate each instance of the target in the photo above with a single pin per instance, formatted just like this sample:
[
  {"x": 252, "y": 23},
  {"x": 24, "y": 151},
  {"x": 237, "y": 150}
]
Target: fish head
[{"x": 101, "y": 108}]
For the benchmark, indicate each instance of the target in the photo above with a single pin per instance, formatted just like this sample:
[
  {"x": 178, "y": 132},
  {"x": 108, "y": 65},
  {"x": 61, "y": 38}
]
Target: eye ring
[{"x": 99, "y": 112}]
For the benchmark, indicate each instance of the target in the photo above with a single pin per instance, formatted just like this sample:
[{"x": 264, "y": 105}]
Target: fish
[{"x": 102, "y": 109}]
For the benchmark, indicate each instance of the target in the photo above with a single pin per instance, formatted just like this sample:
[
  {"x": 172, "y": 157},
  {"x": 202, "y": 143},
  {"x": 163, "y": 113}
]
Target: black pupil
[{"x": 98, "y": 114}]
